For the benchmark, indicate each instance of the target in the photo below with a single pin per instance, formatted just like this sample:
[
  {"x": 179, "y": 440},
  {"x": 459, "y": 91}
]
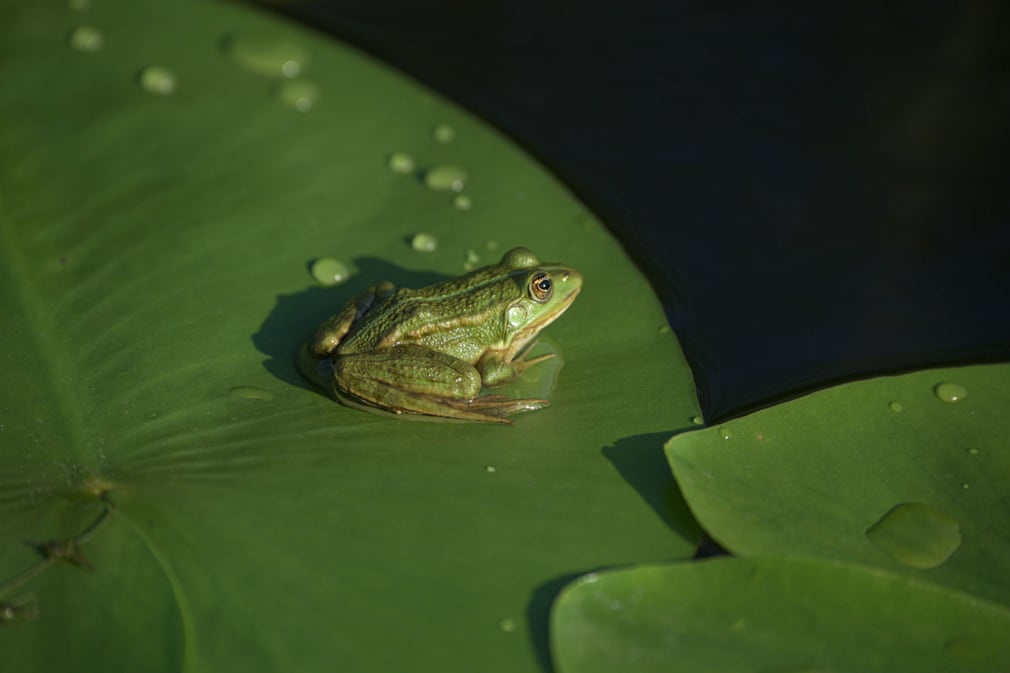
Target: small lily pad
[
  {"x": 772, "y": 615},
  {"x": 887, "y": 471}
]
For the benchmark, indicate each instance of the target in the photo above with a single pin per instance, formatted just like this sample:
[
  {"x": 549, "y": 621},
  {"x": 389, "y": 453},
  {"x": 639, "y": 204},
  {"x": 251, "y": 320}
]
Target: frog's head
[{"x": 545, "y": 291}]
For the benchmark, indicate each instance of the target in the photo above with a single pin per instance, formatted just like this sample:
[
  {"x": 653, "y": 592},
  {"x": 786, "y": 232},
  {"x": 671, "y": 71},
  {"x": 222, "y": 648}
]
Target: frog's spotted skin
[{"x": 431, "y": 351}]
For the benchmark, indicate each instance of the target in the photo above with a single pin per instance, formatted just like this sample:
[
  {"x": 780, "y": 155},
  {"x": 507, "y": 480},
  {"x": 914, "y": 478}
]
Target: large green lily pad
[
  {"x": 909, "y": 473},
  {"x": 773, "y": 616},
  {"x": 156, "y": 228}
]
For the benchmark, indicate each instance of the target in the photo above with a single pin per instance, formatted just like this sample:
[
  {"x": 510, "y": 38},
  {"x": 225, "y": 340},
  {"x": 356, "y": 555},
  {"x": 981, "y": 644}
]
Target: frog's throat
[{"x": 530, "y": 332}]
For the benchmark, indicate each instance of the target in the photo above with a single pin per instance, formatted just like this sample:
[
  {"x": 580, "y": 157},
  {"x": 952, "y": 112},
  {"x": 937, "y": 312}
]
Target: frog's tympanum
[{"x": 431, "y": 351}]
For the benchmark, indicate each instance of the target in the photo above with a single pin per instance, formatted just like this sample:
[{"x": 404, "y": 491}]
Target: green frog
[{"x": 431, "y": 351}]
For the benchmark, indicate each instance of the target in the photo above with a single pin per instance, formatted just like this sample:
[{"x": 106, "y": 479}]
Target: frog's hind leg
[
  {"x": 416, "y": 380},
  {"x": 330, "y": 333}
]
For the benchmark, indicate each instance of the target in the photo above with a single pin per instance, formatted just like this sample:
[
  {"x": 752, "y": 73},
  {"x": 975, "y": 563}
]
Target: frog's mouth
[{"x": 571, "y": 282}]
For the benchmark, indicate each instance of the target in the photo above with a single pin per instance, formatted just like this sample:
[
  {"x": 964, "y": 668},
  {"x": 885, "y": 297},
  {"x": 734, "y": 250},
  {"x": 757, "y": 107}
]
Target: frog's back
[{"x": 462, "y": 316}]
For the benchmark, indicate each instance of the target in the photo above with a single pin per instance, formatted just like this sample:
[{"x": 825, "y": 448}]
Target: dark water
[{"x": 817, "y": 193}]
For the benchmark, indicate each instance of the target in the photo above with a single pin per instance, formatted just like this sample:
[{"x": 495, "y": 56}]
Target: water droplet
[
  {"x": 966, "y": 486},
  {"x": 490, "y": 468},
  {"x": 471, "y": 261},
  {"x": 443, "y": 133},
  {"x": 266, "y": 54},
  {"x": 157, "y": 79},
  {"x": 445, "y": 178},
  {"x": 329, "y": 272},
  {"x": 664, "y": 329},
  {"x": 87, "y": 39},
  {"x": 507, "y": 625},
  {"x": 299, "y": 94},
  {"x": 462, "y": 202},
  {"x": 79, "y": 5},
  {"x": 916, "y": 535},
  {"x": 698, "y": 420},
  {"x": 973, "y": 451},
  {"x": 896, "y": 407},
  {"x": 251, "y": 393},
  {"x": 401, "y": 162},
  {"x": 424, "y": 242},
  {"x": 725, "y": 433},
  {"x": 950, "y": 392},
  {"x": 490, "y": 245}
]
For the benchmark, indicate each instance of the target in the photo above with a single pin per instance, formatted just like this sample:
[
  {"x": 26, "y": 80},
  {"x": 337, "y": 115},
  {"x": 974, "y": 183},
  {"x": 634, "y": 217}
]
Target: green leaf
[
  {"x": 909, "y": 473},
  {"x": 163, "y": 197},
  {"x": 773, "y": 615}
]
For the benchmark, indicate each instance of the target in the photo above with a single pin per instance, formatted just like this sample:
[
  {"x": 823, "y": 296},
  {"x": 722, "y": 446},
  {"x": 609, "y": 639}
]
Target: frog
[{"x": 430, "y": 353}]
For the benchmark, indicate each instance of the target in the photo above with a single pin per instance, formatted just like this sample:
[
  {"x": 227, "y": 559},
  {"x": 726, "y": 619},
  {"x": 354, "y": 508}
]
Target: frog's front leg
[
  {"x": 417, "y": 380},
  {"x": 496, "y": 369}
]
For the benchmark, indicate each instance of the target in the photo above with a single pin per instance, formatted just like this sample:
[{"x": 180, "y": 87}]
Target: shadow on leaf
[
  {"x": 640, "y": 461},
  {"x": 295, "y": 315}
]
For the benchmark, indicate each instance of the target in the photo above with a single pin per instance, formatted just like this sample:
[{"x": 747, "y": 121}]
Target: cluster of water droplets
[
  {"x": 449, "y": 178},
  {"x": 915, "y": 534},
  {"x": 282, "y": 60},
  {"x": 90, "y": 39}
]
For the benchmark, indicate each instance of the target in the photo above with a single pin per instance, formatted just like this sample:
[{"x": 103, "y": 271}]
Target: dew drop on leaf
[
  {"x": 158, "y": 80},
  {"x": 443, "y": 133},
  {"x": 329, "y": 272},
  {"x": 299, "y": 94},
  {"x": 424, "y": 242},
  {"x": 916, "y": 535},
  {"x": 400, "y": 162},
  {"x": 445, "y": 179},
  {"x": 251, "y": 393},
  {"x": 87, "y": 39},
  {"x": 950, "y": 392},
  {"x": 266, "y": 54}
]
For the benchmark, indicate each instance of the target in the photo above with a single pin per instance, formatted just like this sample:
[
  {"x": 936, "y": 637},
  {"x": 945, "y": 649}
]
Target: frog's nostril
[{"x": 564, "y": 276}]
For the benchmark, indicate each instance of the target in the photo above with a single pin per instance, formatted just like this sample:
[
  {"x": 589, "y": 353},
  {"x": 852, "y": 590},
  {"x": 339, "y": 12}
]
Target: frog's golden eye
[{"x": 541, "y": 287}]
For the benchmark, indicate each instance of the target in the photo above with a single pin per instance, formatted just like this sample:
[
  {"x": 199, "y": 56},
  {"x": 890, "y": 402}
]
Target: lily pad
[
  {"x": 156, "y": 256},
  {"x": 909, "y": 473},
  {"x": 773, "y": 615}
]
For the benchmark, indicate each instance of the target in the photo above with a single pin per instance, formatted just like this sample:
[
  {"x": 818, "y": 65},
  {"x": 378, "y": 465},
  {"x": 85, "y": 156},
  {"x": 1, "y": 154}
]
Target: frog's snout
[{"x": 571, "y": 280}]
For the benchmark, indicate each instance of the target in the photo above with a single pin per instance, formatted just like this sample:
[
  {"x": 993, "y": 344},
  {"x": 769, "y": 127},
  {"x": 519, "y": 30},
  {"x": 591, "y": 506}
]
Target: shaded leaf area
[
  {"x": 909, "y": 473},
  {"x": 154, "y": 256},
  {"x": 773, "y": 615}
]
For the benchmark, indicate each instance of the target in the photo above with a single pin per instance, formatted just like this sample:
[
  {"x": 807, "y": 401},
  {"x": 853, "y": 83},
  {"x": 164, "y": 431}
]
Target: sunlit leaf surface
[{"x": 171, "y": 172}]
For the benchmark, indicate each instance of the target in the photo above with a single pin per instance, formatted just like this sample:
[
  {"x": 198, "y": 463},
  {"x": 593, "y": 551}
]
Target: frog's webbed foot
[{"x": 502, "y": 406}]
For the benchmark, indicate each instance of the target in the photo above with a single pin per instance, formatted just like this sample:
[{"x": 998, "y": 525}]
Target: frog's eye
[{"x": 541, "y": 287}]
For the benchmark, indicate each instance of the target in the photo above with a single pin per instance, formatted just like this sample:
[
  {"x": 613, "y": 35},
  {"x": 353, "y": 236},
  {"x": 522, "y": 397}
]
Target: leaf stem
[{"x": 53, "y": 551}]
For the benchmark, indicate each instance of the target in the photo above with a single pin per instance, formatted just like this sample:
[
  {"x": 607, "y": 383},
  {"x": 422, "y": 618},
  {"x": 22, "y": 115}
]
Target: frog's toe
[{"x": 504, "y": 406}]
